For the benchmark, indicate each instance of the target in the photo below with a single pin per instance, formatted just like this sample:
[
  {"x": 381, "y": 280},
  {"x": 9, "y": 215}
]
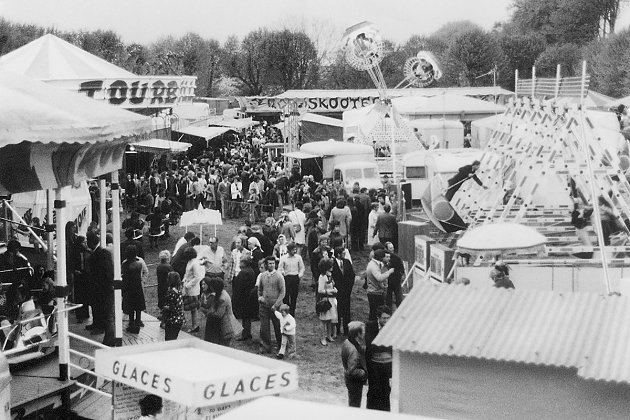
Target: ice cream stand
[{"x": 196, "y": 379}]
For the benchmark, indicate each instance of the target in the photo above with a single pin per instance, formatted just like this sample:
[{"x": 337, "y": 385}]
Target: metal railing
[
  {"x": 83, "y": 369},
  {"x": 253, "y": 211}
]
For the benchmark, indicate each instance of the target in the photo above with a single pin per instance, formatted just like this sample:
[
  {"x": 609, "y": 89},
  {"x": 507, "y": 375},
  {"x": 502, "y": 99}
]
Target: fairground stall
[
  {"x": 52, "y": 139},
  {"x": 460, "y": 352},
  {"x": 196, "y": 379}
]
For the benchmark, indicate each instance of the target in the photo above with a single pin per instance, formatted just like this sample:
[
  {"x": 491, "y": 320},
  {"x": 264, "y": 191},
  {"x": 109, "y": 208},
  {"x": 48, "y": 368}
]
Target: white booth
[{"x": 196, "y": 379}]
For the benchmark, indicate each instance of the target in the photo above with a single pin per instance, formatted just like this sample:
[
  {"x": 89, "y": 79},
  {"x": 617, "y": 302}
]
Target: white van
[
  {"x": 364, "y": 173},
  {"x": 344, "y": 161}
]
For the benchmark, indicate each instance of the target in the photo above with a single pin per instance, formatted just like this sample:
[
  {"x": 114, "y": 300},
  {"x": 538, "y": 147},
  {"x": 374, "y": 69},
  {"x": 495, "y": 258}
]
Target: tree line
[{"x": 307, "y": 55}]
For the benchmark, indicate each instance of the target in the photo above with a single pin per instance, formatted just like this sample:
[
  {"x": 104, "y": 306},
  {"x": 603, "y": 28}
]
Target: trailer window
[
  {"x": 416, "y": 172},
  {"x": 337, "y": 175},
  {"x": 370, "y": 173},
  {"x": 353, "y": 173}
]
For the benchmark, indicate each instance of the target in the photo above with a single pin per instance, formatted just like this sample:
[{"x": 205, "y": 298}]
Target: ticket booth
[{"x": 196, "y": 379}]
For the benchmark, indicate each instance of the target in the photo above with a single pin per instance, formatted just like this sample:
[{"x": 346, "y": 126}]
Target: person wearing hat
[
  {"x": 463, "y": 173},
  {"x": 253, "y": 244},
  {"x": 285, "y": 227}
]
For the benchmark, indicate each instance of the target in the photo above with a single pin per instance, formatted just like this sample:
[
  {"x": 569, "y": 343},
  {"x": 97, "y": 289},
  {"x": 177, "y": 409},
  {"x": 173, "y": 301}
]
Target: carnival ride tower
[{"x": 384, "y": 128}]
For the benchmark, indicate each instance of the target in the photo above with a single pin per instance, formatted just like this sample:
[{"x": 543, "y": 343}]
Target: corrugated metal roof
[{"x": 585, "y": 331}]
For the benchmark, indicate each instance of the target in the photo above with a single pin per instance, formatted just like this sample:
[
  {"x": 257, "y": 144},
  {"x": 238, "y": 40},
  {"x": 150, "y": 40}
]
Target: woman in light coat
[{"x": 191, "y": 289}]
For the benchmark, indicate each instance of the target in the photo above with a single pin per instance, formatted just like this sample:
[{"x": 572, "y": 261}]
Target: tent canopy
[
  {"x": 206, "y": 133},
  {"x": 161, "y": 146},
  {"x": 332, "y": 147},
  {"x": 320, "y": 119},
  {"x": 52, "y": 58},
  {"x": 234, "y": 123},
  {"x": 51, "y": 138},
  {"x": 36, "y": 112},
  {"x": 447, "y": 103}
]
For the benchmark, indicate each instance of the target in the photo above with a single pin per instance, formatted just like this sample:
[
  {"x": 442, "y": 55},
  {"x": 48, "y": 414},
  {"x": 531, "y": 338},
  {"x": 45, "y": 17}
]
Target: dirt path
[{"x": 319, "y": 367}]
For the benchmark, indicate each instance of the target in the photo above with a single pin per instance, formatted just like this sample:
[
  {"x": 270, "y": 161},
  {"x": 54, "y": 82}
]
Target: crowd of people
[{"x": 299, "y": 226}]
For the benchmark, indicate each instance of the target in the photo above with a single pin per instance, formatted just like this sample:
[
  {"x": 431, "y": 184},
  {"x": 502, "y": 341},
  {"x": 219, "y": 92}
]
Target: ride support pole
[
  {"x": 61, "y": 286},
  {"x": 118, "y": 313},
  {"x": 103, "y": 212},
  {"x": 50, "y": 208}
]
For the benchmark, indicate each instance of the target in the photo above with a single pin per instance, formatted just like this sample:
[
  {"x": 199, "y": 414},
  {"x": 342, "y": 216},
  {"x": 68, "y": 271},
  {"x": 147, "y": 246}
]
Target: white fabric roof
[
  {"x": 300, "y": 155},
  {"x": 36, "y": 112},
  {"x": 235, "y": 123},
  {"x": 332, "y": 147},
  {"x": 161, "y": 146},
  {"x": 195, "y": 111},
  {"x": 204, "y": 132},
  {"x": 447, "y": 103},
  {"x": 52, "y": 58},
  {"x": 320, "y": 119}
]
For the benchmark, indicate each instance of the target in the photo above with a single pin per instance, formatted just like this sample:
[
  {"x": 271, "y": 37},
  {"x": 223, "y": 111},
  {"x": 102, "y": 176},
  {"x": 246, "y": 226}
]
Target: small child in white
[{"x": 287, "y": 326}]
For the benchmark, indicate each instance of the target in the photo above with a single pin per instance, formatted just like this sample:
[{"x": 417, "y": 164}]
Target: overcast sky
[{"x": 145, "y": 21}]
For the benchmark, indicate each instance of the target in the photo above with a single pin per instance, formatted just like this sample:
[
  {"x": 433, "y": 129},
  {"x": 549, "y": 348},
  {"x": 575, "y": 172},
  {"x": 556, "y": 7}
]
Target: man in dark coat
[
  {"x": 386, "y": 227},
  {"x": 343, "y": 276},
  {"x": 463, "y": 173},
  {"x": 379, "y": 363},
  {"x": 364, "y": 205},
  {"x": 395, "y": 280},
  {"x": 244, "y": 302},
  {"x": 101, "y": 267}
]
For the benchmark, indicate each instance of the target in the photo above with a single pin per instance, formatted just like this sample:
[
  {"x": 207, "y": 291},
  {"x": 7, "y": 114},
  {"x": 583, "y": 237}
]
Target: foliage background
[{"x": 303, "y": 54}]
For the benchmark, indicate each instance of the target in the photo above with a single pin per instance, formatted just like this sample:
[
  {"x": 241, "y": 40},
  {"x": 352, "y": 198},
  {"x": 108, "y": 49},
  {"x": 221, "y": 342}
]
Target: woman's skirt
[
  {"x": 190, "y": 302},
  {"x": 331, "y": 314}
]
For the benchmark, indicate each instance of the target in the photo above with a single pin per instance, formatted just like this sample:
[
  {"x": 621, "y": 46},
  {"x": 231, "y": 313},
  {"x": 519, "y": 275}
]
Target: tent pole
[
  {"x": 118, "y": 314},
  {"x": 61, "y": 286},
  {"x": 50, "y": 206},
  {"x": 103, "y": 212}
]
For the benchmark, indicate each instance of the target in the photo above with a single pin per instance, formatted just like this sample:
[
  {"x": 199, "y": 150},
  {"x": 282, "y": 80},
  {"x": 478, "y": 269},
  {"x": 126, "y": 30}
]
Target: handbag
[{"x": 323, "y": 305}]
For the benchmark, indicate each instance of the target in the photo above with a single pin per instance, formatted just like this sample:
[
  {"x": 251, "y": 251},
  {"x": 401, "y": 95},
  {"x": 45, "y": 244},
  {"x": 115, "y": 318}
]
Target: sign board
[
  {"x": 136, "y": 92},
  {"x": 303, "y": 105},
  {"x": 195, "y": 373},
  {"x": 126, "y": 406}
]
